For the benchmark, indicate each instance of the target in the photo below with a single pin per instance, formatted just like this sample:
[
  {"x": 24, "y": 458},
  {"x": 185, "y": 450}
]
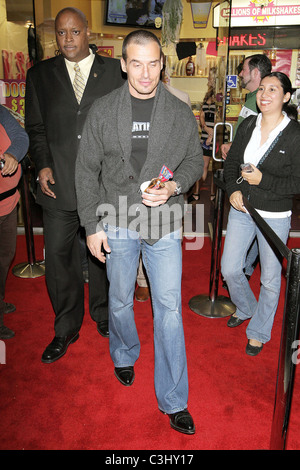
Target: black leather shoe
[
  {"x": 6, "y": 333},
  {"x": 58, "y": 347},
  {"x": 125, "y": 375},
  {"x": 9, "y": 308},
  {"x": 234, "y": 321},
  {"x": 102, "y": 328},
  {"x": 253, "y": 350},
  {"x": 182, "y": 421}
]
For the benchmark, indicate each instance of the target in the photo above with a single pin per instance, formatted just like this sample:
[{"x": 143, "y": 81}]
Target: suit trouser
[{"x": 64, "y": 277}]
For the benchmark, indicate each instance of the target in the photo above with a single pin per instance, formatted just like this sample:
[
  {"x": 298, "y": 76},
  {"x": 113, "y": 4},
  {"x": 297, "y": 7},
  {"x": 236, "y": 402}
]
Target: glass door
[{"x": 223, "y": 130}]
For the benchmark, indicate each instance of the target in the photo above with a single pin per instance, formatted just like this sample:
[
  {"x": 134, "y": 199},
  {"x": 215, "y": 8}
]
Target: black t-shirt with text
[{"x": 141, "y": 117}]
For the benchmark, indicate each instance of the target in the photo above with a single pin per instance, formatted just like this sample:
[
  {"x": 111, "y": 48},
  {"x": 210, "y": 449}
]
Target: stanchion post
[
  {"x": 217, "y": 240},
  {"x": 213, "y": 306},
  {"x": 32, "y": 268},
  {"x": 287, "y": 355}
]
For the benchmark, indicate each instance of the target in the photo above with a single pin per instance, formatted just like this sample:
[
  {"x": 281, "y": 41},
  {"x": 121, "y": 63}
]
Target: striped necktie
[{"x": 78, "y": 83}]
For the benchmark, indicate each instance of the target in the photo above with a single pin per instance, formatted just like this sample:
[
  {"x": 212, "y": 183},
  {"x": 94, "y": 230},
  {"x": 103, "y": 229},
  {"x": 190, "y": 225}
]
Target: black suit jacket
[{"x": 54, "y": 120}]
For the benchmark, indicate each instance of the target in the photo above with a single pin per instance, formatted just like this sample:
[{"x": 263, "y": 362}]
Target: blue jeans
[
  {"x": 164, "y": 266},
  {"x": 251, "y": 259},
  {"x": 241, "y": 230}
]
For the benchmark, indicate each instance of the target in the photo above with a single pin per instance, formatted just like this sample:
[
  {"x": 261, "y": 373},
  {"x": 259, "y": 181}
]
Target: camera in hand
[
  {"x": 246, "y": 167},
  {"x": 2, "y": 163}
]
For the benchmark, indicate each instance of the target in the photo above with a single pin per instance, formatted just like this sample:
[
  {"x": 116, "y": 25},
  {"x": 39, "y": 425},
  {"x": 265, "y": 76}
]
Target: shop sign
[
  {"x": 246, "y": 40},
  {"x": 13, "y": 97},
  {"x": 258, "y": 12},
  {"x": 262, "y": 38},
  {"x": 108, "y": 50}
]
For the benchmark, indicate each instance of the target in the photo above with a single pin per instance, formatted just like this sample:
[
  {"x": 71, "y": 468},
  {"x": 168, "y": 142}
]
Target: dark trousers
[
  {"x": 64, "y": 277},
  {"x": 8, "y": 237}
]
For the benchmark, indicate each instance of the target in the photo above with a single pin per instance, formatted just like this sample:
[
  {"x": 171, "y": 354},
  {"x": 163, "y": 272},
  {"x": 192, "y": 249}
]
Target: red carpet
[{"x": 77, "y": 403}]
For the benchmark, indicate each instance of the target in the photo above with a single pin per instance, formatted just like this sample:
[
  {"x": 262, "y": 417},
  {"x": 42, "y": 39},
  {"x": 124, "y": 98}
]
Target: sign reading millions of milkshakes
[{"x": 261, "y": 12}]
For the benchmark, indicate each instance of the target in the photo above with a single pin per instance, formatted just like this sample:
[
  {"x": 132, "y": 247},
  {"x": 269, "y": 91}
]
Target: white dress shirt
[
  {"x": 254, "y": 152},
  {"x": 85, "y": 66}
]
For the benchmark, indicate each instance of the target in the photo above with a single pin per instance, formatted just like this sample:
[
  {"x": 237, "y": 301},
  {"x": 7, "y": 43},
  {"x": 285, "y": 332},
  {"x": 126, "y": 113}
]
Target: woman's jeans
[
  {"x": 163, "y": 264},
  {"x": 241, "y": 230}
]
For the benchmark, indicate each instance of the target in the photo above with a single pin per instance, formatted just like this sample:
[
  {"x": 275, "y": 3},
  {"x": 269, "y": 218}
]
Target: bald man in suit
[{"x": 54, "y": 119}]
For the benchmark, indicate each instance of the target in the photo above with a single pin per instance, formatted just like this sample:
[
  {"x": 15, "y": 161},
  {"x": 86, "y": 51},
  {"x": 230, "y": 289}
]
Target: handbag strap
[
  {"x": 7, "y": 194},
  {"x": 269, "y": 150}
]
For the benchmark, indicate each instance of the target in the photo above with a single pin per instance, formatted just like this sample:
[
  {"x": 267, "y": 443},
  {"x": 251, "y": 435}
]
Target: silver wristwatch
[{"x": 177, "y": 190}]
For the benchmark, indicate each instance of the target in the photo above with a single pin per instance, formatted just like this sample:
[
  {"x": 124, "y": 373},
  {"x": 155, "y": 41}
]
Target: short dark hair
[
  {"x": 73, "y": 11},
  {"x": 141, "y": 37},
  {"x": 260, "y": 62}
]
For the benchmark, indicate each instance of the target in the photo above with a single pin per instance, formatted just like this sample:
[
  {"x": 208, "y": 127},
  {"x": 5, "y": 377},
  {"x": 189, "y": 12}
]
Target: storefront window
[{"x": 15, "y": 20}]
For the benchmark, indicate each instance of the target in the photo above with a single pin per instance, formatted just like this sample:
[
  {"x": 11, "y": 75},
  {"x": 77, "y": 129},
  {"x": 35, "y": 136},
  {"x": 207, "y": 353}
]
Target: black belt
[{"x": 8, "y": 193}]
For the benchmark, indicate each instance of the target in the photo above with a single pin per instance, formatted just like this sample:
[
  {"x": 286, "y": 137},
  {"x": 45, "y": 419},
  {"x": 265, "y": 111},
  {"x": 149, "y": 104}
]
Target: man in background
[{"x": 254, "y": 68}]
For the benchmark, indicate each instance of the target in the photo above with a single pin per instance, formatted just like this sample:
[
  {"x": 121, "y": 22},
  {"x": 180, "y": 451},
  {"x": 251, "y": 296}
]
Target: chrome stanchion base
[
  {"x": 27, "y": 270},
  {"x": 219, "y": 308}
]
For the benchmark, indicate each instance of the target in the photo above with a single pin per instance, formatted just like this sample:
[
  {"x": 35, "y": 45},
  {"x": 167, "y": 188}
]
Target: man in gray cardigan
[{"x": 128, "y": 136}]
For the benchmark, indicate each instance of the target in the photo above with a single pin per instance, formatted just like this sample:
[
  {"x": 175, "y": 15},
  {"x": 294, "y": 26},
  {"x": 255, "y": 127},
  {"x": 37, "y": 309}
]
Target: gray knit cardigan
[{"x": 106, "y": 185}]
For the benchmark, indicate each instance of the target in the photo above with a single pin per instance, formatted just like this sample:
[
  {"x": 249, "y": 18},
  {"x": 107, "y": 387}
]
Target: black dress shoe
[
  {"x": 125, "y": 375},
  {"x": 6, "y": 333},
  {"x": 9, "y": 308},
  {"x": 253, "y": 350},
  {"x": 102, "y": 328},
  {"x": 234, "y": 321},
  {"x": 58, "y": 347},
  {"x": 182, "y": 422}
]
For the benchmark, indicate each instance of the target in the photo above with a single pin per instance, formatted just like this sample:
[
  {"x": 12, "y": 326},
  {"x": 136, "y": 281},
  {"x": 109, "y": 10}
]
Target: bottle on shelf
[{"x": 190, "y": 67}]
